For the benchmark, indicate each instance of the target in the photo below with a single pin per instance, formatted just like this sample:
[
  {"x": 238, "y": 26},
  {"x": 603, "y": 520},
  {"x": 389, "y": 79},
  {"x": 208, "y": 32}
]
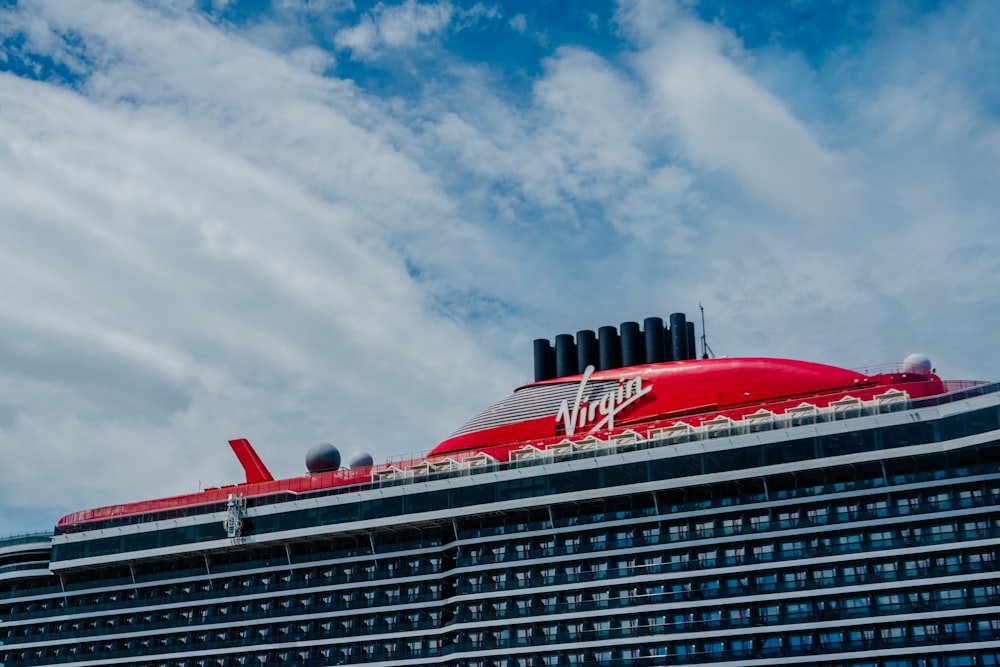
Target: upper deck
[{"x": 653, "y": 434}]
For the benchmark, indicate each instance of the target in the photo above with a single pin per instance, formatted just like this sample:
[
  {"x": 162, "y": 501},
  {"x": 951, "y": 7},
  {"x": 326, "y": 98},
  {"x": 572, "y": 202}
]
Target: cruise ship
[{"x": 637, "y": 504}]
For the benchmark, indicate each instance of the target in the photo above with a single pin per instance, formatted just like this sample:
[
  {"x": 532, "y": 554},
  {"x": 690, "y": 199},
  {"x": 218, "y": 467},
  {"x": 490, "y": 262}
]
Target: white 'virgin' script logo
[{"x": 607, "y": 405}]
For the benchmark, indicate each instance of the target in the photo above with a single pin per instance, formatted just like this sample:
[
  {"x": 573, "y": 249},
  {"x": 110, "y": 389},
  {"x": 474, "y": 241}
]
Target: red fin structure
[{"x": 255, "y": 469}]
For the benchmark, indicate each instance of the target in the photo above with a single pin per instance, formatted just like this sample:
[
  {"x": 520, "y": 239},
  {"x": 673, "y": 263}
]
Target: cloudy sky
[{"x": 300, "y": 221}]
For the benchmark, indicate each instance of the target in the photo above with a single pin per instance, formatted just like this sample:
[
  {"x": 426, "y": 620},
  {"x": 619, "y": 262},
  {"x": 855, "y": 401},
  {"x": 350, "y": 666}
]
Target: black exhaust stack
[
  {"x": 586, "y": 350},
  {"x": 545, "y": 360},
  {"x": 653, "y": 339},
  {"x": 565, "y": 356},
  {"x": 610, "y": 348},
  {"x": 678, "y": 337},
  {"x": 632, "y": 345}
]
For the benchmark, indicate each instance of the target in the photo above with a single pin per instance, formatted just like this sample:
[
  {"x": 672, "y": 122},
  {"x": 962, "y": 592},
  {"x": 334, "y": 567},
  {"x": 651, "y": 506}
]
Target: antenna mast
[{"x": 706, "y": 351}]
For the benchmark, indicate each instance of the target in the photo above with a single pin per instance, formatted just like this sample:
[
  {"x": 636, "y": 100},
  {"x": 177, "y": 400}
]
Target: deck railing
[{"x": 41, "y": 537}]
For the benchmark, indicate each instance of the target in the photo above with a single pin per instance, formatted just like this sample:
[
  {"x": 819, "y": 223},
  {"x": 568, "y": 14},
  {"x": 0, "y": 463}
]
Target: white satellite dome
[{"x": 917, "y": 363}]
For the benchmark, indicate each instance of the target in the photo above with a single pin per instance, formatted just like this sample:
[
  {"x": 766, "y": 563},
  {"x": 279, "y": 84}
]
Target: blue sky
[{"x": 302, "y": 221}]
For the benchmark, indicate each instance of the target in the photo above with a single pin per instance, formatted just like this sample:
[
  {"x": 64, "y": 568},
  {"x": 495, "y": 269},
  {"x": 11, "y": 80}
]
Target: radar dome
[
  {"x": 362, "y": 460},
  {"x": 917, "y": 363},
  {"x": 324, "y": 457}
]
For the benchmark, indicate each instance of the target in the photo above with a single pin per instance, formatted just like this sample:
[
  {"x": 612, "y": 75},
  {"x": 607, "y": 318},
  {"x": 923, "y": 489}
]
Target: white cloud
[
  {"x": 724, "y": 120},
  {"x": 658, "y": 211},
  {"x": 312, "y": 59},
  {"x": 310, "y": 7},
  {"x": 362, "y": 39},
  {"x": 394, "y": 27},
  {"x": 594, "y": 113}
]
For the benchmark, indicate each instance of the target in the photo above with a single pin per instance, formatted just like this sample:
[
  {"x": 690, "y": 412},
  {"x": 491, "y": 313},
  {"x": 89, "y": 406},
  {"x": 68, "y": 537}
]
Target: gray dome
[
  {"x": 324, "y": 457},
  {"x": 361, "y": 460}
]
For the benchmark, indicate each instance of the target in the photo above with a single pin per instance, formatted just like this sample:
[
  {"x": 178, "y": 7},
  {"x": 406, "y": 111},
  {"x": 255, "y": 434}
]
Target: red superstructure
[
  {"x": 600, "y": 403},
  {"x": 696, "y": 391}
]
